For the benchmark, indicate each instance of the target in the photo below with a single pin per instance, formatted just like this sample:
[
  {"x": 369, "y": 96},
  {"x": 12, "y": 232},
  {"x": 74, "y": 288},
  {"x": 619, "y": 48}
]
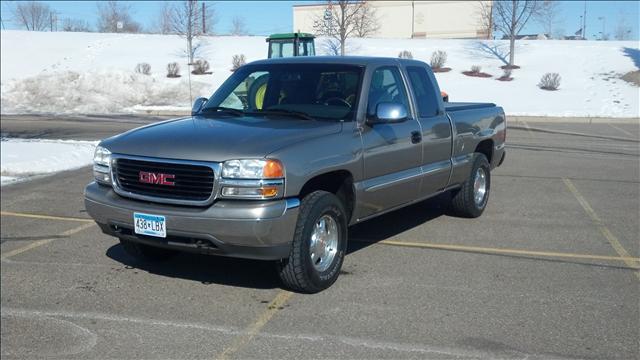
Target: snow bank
[
  {"x": 93, "y": 73},
  {"x": 94, "y": 92},
  {"x": 21, "y": 158},
  {"x": 590, "y": 72}
]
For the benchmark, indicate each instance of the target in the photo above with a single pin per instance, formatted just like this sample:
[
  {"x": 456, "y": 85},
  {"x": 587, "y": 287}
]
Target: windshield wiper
[
  {"x": 228, "y": 110},
  {"x": 284, "y": 112}
]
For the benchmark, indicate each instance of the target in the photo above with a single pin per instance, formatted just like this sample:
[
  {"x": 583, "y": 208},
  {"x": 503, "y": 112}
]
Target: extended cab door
[
  {"x": 392, "y": 151},
  {"x": 436, "y": 130}
]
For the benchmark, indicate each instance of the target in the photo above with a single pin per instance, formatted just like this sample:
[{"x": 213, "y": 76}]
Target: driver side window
[{"x": 386, "y": 86}]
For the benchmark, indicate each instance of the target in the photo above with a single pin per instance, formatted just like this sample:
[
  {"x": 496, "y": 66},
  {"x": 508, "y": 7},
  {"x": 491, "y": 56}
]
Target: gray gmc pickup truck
[{"x": 286, "y": 155}]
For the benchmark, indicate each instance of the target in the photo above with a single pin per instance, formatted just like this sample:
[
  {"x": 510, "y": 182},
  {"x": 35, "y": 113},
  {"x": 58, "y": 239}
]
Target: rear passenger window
[{"x": 424, "y": 91}]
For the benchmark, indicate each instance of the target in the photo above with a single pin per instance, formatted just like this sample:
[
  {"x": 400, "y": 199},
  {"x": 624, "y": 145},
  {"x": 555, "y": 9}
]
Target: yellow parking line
[
  {"x": 39, "y": 243},
  {"x": 623, "y": 130},
  {"x": 526, "y": 125},
  {"x": 258, "y": 324},
  {"x": 613, "y": 240},
  {"x": 489, "y": 250},
  {"x": 45, "y": 217}
]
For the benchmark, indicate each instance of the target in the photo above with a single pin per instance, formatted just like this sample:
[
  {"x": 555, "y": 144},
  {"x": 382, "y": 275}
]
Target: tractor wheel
[{"x": 257, "y": 90}]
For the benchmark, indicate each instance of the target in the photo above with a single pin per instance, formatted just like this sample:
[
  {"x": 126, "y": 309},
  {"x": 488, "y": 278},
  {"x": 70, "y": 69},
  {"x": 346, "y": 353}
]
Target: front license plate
[{"x": 151, "y": 225}]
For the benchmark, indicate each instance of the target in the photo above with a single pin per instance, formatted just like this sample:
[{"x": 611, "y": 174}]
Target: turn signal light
[{"x": 273, "y": 169}]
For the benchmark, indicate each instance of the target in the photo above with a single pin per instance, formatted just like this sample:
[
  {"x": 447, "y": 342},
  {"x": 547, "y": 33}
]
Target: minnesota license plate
[{"x": 151, "y": 225}]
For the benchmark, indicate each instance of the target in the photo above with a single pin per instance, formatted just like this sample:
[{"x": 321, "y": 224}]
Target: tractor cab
[{"x": 291, "y": 44}]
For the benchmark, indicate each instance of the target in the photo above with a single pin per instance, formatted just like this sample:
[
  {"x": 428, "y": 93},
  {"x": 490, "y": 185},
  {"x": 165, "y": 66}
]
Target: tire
[
  {"x": 257, "y": 91},
  {"x": 304, "y": 270},
  {"x": 464, "y": 201},
  {"x": 146, "y": 253}
]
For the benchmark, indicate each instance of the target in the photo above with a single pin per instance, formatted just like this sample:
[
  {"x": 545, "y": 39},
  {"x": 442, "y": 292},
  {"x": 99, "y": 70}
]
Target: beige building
[{"x": 407, "y": 19}]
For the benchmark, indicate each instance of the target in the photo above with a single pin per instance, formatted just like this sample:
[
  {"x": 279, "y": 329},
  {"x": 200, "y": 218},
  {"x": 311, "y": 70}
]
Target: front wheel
[
  {"x": 319, "y": 244},
  {"x": 471, "y": 200}
]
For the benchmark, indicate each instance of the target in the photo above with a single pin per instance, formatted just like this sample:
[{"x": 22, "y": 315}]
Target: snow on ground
[
  {"x": 23, "y": 158},
  {"x": 93, "y": 73}
]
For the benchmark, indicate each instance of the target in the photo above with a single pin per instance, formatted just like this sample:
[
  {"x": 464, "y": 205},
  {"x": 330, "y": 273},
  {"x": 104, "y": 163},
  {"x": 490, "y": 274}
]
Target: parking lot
[{"x": 549, "y": 271}]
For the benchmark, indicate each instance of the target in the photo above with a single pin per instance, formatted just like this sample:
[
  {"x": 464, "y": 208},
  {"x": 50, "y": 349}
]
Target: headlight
[
  {"x": 252, "y": 179},
  {"x": 102, "y": 165},
  {"x": 253, "y": 169}
]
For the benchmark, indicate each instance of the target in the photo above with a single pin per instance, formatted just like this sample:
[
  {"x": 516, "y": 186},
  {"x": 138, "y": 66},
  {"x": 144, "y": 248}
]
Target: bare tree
[
  {"x": 33, "y": 15},
  {"x": 238, "y": 26},
  {"x": 623, "y": 29},
  {"x": 485, "y": 12},
  {"x": 341, "y": 20},
  {"x": 547, "y": 16},
  {"x": 115, "y": 16},
  {"x": 163, "y": 22},
  {"x": 192, "y": 19},
  {"x": 75, "y": 25},
  {"x": 331, "y": 47},
  {"x": 509, "y": 17},
  {"x": 366, "y": 21}
]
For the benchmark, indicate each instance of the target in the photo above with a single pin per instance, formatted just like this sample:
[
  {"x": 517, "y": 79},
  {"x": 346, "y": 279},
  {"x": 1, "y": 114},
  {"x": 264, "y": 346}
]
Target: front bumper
[{"x": 247, "y": 229}]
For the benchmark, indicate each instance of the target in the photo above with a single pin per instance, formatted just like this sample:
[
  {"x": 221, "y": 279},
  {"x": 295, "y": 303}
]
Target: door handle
[{"x": 416, "y": 137}]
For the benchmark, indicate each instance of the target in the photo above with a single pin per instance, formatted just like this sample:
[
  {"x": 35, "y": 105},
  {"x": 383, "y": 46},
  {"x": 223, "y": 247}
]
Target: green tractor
[
  {"x": 291, "y": 44},
  {"x": 280, "y": 45}
]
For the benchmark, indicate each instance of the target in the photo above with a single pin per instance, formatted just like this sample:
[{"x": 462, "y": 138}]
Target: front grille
[{"x": 192, "y": 182}]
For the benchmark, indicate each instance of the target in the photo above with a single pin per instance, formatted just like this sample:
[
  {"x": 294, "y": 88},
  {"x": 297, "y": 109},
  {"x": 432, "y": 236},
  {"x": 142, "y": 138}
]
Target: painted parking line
[
  {"x": 42, "y": 242},
  {"x": 623, "y": 130},
  {"x": 44, "y": 217},
  {"x": 241, "y": 341},
  {"x": 604, "y": 230},
  {"x": 527, "y": 127},
  {"x": 487, "y": 250}
]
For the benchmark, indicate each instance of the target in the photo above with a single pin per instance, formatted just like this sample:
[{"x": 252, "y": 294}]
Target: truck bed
[{"x": 459, "y": 106}]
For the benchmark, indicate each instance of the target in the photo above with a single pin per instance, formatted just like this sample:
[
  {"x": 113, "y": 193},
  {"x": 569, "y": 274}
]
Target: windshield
[{"x": 318, "y": 91}]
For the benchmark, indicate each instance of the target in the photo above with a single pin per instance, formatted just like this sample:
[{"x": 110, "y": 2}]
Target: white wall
[{"x": 430, "y": 19}]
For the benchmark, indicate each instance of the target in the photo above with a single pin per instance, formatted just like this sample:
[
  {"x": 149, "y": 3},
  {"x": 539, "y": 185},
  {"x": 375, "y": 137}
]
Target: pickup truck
[{"x": 286, "y": 155}]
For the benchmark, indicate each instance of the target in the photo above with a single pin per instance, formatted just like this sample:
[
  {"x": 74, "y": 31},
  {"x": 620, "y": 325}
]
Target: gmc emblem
[{"x": 156, "y": 178}]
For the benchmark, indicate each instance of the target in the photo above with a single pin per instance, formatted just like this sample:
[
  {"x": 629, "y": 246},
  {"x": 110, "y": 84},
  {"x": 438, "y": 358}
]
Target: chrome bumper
[{"x": 247, "y": 229}]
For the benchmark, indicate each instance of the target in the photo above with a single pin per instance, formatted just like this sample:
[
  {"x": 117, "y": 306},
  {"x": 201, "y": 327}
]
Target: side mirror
[
  {"x": 389, "y": 112},
  {"x": 445, "y": 96},
  {"x": 197, "y": 105}
]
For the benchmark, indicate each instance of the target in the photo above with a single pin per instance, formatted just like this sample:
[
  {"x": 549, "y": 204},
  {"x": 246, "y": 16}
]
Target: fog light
[
  {"x": 101, "y": 177},
  {"x": 265, "y": 192}
]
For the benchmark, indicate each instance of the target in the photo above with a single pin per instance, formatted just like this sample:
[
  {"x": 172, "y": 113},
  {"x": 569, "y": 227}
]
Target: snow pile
[
  {"x": 93, "y": 73},
  {"x": 21, "y": 158},
  {"x": 93, "y": 92},
  {"x": 590, "y": 71}
]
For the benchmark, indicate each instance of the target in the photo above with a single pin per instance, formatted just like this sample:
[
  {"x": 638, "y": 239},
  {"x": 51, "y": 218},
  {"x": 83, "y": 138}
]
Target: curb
[{"x": 572, "y": 120}]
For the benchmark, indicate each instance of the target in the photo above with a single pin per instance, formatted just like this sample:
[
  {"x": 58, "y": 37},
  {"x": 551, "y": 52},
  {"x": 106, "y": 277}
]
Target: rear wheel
[
  {"x": 471, "y": 200},
  {"x": 319, "y": 244},
  {"x": 146, "y": 253}
]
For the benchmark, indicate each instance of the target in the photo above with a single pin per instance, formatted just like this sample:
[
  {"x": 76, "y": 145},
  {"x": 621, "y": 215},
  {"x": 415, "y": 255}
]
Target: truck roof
[{"x": 347, "y": 60}]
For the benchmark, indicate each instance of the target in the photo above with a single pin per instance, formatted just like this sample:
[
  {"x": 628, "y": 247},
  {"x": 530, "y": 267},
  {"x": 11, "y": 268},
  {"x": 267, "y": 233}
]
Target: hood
[{"x": 217, "y": 139}]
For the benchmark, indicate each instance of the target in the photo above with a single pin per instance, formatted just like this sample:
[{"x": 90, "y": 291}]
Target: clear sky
[{"x": 265, "y": 17}]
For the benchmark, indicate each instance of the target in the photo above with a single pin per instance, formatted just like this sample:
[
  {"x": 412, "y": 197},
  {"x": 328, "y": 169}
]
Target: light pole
[
  {"x": 604, "y": 23},
  {"x": 582, "y": 34}
]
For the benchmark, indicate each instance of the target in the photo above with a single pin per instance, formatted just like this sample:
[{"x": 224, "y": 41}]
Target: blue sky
[{"x": 265, "y": 17}]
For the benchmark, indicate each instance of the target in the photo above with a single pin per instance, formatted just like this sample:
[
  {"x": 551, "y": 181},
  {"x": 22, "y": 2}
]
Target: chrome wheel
[
  {"x": 324, "y": 243},
  {"x": 480, "y": 187}
]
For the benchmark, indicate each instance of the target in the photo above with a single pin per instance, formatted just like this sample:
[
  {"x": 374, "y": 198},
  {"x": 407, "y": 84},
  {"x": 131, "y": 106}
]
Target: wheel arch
[
  {"x": 338, "y": 182},
  {"x": 485, "y": 147}
]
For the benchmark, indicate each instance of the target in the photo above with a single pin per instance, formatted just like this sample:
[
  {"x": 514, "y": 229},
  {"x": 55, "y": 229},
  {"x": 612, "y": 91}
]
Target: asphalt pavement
[{"x": 549, "y": 271}]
